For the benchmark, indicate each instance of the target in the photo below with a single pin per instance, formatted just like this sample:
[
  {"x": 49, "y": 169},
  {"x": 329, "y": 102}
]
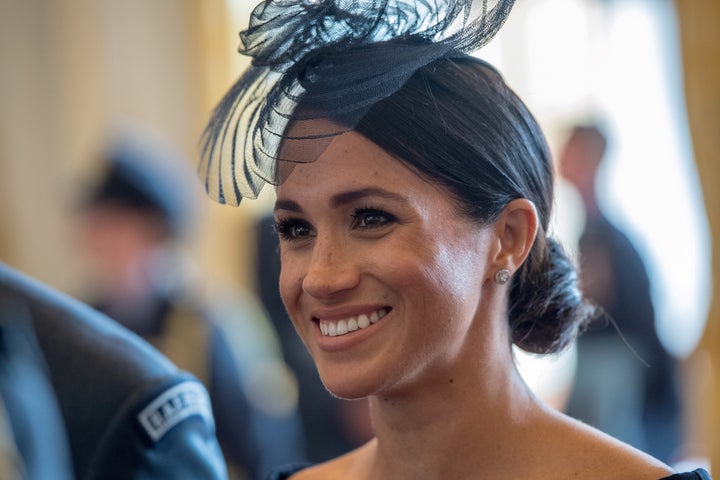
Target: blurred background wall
[{"x": 74, "y": 71}]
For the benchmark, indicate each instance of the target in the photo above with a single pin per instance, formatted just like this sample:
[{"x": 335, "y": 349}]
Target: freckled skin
[
  {"x": 445, "y": 397},
  {"x": 427, "y": 267}
]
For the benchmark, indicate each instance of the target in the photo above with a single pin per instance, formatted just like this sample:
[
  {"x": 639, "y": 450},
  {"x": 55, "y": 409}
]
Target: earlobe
[{"x": 516, "y": 229}]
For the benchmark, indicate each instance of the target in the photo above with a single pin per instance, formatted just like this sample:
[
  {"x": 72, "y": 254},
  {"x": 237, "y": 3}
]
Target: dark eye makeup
[
  {"x": 293, "y": 228},
  {"x": 363, "y": 218},
  {"x": 369, "y": 217}
]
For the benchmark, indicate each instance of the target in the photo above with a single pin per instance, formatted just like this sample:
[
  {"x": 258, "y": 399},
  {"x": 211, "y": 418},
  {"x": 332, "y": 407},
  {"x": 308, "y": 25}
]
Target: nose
[{"x": 332, "y": 269}]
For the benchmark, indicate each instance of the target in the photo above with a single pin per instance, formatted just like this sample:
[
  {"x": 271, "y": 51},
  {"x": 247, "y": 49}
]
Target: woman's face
[{"x": 380, "y": 274}]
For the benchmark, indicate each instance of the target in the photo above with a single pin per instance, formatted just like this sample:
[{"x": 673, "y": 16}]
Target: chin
[{"x": 347, "y": 388}]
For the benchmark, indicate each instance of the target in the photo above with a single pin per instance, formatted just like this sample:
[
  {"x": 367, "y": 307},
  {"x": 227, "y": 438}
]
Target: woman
[{"x": 414, "y": 192}]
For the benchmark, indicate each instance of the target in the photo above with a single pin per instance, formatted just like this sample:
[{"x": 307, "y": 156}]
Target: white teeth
[{"x": 347, "y": 325}]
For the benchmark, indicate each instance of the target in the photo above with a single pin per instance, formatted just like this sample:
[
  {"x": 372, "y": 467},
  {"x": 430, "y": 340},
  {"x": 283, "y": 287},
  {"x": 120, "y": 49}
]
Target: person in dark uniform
[
  {"x": 133, "y": 222},
  {"x": 128, "y": 412},
  {"x": 33, "y": 442}
]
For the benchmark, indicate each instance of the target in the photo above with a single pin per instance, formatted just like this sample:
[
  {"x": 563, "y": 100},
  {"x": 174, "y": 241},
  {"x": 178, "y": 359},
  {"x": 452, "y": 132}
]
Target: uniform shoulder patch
[{"x": 173, "y": 406}]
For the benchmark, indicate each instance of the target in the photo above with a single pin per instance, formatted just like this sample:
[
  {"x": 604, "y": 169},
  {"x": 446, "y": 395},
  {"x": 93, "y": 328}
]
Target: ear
[{"x": 515, "y": 232}]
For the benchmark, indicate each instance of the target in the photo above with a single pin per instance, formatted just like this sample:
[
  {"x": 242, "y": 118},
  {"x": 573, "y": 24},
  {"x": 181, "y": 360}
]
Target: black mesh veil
[{"x": 318, "y": 66}]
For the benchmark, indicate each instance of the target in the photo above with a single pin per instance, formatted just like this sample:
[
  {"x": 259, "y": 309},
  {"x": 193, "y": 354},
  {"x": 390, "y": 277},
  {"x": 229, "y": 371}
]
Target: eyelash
[
  {"x": 286, "y": 227},
  {"x": 363, "y": 212}
]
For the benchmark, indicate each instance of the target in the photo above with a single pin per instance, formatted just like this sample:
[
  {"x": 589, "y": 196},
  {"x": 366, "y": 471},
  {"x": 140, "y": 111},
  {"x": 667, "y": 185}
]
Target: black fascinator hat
[{"x": 318, "y": 66}]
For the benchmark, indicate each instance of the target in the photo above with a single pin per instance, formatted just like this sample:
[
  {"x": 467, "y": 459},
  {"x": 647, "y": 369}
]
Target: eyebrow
[{"x": 344, "y": 198}]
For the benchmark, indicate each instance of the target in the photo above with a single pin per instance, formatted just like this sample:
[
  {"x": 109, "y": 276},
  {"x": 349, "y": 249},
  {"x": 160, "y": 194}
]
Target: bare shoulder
[
  {"x": 327, "y": 470},
  {"x": 591, "y": 454},
  {"x": 345, "y": 467}
]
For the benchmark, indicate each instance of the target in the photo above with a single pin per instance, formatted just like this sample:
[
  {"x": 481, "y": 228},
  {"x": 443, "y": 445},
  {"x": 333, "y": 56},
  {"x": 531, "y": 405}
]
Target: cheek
[
  {"x": 451, "y": 287},
  {"x": 290, "y": 284},
  {"x": 457, "y": 273},
  {"x": 289, "y": 296},
  {"x": 464, "y": 272},
  {"x": 286, "y": 288}
]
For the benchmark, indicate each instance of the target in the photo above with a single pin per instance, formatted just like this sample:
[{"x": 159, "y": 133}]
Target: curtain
[{"x": 699, "y": 24}]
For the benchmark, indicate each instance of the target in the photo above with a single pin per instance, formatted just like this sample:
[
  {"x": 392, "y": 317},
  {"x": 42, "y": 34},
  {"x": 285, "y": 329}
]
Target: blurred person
[
  {"x": 128, "y": 413},
  {"x": 625, "y": 383},
  {"x": 332, "y": 425},
  {"x": 132, "y": 225}
]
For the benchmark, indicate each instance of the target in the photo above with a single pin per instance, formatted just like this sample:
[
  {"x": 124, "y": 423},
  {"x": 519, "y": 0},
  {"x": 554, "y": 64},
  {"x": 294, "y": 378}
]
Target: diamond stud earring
[{"x": 502, "y": 276}]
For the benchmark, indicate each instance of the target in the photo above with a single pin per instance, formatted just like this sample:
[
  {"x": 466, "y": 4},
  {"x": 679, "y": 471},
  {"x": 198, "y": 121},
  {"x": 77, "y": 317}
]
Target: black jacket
[{"x": 128, "y": 412}]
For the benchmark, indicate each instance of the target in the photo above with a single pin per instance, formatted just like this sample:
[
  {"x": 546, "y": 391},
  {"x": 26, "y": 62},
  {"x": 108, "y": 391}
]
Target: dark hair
[{"x": 458, "y": 124}]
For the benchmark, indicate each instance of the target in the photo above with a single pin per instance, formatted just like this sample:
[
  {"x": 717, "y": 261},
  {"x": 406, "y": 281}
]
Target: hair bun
[{"x": 547, "y": 309}]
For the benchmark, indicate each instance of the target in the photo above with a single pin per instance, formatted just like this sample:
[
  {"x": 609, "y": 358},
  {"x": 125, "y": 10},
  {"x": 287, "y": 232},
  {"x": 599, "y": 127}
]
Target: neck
[{"x": 467, "y": 417}]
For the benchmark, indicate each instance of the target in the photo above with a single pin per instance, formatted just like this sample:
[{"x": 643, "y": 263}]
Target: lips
[{"x": 334, "y": 328}]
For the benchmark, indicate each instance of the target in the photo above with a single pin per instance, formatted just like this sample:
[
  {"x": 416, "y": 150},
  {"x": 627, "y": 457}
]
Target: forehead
[{"x": 349, "y": 161}]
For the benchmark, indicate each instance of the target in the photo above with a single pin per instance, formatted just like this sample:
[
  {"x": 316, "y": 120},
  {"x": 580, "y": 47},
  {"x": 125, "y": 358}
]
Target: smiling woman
[
  {"x": 375, "y": 244},
  {"x": 414, "y": 191}
]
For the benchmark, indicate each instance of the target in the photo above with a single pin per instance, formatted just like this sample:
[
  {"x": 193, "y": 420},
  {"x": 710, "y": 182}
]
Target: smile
[{"x": 331, "y": 328}]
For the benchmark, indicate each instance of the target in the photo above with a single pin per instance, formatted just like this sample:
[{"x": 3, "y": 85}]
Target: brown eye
[
  {"x": 293, "y": 229},
  {"x": 371, "y": 218}
]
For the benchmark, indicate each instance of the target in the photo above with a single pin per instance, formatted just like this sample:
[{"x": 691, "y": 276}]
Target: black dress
[{"x": 284, "y": 472}]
